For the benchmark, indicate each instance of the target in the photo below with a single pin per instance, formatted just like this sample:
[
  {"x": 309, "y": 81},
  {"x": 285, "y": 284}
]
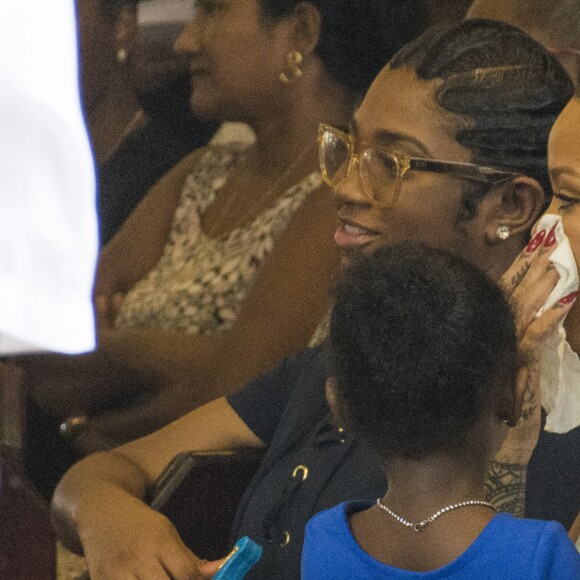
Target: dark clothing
[
  {"x": 47, "y": 456},
  {"x": 170, "y": 133},
  {"x": 287, "y": 409},
  {"x": 553, "y": 485},
  {"x": 27, "y": 542},
  {"x": 140, "y": 161}
]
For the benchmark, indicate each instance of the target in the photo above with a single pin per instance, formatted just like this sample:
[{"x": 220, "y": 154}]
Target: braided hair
[{"x": 503, "y": 89}]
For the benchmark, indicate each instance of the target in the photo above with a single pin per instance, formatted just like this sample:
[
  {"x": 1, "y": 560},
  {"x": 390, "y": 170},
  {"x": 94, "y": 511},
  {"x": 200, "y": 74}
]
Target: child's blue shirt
[{"x": 507, "y": 548}]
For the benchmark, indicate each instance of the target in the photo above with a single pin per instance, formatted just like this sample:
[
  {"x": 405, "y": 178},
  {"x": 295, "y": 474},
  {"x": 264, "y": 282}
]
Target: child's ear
[{"x": 331, "y": 398}]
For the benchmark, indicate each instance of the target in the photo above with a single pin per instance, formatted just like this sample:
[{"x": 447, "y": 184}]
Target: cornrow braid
[{"x": 504, "y": 88}]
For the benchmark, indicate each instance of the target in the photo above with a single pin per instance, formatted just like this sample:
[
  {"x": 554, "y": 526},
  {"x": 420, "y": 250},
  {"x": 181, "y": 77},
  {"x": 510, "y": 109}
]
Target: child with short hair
[{"x": 424, "y": 359}]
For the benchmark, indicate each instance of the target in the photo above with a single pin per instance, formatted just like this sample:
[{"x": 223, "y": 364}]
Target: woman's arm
[
  {"x": 282, "y": 310},
  {"x": 574, "y": 532},
  {"x": 98, "y": 507},
  {"x": 527, "y": 284},
  {"x": 505, "y": 484}
]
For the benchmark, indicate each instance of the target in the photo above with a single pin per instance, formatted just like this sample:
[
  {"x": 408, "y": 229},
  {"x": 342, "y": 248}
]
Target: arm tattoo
[
  {"x": 505, "y": 487},
  {"x": 530, "y": 404},
  {"x": 519, "y": 275},
  {"x": 505, "y": 482}
]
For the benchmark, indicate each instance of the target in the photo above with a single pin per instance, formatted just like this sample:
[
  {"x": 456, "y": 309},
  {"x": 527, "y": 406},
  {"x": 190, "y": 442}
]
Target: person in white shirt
[{"x": 48, "y": 227}]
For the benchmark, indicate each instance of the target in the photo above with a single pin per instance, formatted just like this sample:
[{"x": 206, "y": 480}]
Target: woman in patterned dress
[{"x": 224, "y": 267}]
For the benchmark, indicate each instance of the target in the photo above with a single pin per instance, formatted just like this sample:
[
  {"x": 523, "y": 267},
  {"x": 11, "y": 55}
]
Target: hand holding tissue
[{"x": 560, "y": 377}]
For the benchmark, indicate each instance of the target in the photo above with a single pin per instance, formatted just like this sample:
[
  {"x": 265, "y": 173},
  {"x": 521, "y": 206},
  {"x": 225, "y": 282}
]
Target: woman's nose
[{"x": 349, "y": 190}]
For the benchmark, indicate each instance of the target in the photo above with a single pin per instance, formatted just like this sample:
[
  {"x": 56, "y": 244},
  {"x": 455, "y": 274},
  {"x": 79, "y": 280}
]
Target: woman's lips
[{"x": 349, "y": 235}]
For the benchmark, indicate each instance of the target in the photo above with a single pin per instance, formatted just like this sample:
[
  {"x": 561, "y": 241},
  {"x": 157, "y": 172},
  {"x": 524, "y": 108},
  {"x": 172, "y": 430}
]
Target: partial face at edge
[
  {"x": 564, "y": 167},
  {"x": 564, "y": 156}
]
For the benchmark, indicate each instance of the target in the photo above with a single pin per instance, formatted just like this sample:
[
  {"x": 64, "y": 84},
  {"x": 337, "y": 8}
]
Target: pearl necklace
[{"x": 422, "y": 525}]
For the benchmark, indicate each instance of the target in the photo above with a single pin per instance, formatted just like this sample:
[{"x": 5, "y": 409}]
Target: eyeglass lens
[{"x": 378, "y": 169}]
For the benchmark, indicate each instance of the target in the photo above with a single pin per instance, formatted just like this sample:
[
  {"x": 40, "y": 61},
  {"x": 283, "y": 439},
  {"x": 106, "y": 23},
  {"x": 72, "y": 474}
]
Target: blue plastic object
[{"x": 243, "y": 556}]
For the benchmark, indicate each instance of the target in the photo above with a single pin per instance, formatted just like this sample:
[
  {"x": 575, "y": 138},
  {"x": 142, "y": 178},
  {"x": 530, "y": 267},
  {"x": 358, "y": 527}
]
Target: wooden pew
[
  {"x": 27, "y": 542},
  {"x": 199, "y": 492}
]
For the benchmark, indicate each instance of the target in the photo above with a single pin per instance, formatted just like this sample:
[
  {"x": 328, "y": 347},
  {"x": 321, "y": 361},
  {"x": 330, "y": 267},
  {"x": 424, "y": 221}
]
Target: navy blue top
[
  {"x": 287, "y": 410},
  {"x": 507, "y": 547}
]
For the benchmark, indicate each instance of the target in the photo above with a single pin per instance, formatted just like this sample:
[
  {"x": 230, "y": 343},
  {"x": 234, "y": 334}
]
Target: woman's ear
[
  {"x": 517, "y": 206},
  {"x": 306, "y": 23}
]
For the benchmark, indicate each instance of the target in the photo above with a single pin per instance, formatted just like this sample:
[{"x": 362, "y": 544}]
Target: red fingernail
[
  {"x": 570, "y": 298},
  {"x": 550, "y": 238},
  {"x": 536, "y": 242}
]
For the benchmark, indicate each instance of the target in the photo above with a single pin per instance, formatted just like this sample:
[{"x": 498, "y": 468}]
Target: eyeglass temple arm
[{"x": 465, "y": 170}]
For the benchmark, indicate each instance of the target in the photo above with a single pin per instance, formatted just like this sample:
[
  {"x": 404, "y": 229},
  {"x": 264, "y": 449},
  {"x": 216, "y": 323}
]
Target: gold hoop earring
[{"x": 293, "y": 71}]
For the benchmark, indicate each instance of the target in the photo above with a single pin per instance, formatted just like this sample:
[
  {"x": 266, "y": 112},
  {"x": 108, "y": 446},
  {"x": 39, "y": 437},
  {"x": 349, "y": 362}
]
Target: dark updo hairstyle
[
  {"x": 505, "y": 88},
  {"x": 358, "y": 37},
  {"x": 421, "y": 342}
]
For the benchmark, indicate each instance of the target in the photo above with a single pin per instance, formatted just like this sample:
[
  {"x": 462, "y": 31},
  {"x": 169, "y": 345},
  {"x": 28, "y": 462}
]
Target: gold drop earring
[{"x": 293, "y": 71}]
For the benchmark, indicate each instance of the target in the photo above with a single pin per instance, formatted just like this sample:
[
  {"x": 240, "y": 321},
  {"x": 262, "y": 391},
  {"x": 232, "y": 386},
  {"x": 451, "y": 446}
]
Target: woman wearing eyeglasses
[
  {"x": 483, "y": 94},
  {"x": 433, "y": 148}
]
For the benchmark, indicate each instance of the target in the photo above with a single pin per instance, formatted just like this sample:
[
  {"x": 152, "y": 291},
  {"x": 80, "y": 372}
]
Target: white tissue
[
  {"x": 560, "y": 378},
  {"x": 562, "y": 258}
]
